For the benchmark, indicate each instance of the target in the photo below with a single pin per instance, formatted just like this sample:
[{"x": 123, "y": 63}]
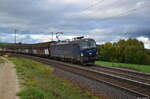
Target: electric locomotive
[
  {"x": 80, "y": 49},
  {"x": 88, "y": 50}
]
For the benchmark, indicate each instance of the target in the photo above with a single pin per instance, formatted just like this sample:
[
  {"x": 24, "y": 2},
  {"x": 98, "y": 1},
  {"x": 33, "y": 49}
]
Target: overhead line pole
[
  {"x": 52, "y": 35},
  {"x": 15, "y": 36}
]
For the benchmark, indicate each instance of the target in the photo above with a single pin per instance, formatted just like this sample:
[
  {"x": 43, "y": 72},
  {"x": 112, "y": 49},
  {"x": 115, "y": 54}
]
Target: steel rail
[
  {"x": 126, "y": 70},
  {"x": 130, "y": 75}
]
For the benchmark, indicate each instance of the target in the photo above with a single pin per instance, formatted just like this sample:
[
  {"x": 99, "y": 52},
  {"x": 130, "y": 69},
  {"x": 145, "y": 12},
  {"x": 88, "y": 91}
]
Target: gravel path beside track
[{"x": 8, "y": 81}]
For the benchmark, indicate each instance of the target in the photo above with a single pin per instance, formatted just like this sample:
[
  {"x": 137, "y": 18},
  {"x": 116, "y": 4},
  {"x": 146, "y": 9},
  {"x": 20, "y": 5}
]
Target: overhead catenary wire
[
  {"x": 93, "y": 5},
  {"x": 127, "y": 12},
  {"x": 117, "y": 15}
]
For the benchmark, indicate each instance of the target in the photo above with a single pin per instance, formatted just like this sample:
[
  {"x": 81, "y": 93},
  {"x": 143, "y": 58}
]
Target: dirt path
[{"x": 8, "y": 81}]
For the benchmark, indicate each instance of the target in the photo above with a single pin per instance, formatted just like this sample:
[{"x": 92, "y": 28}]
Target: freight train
[{"x": 79, "y": 50}]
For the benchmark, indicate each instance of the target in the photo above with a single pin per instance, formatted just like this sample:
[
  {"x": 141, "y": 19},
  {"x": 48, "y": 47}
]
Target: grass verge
[
  {"x": 1, "y": 60},
  {"x": 38, "y": 82},
  {"x": 142, "y": 68}
]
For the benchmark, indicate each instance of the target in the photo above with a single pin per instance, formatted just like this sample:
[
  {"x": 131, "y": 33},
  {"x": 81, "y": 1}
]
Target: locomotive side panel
[{"x": 69, "y": 52}]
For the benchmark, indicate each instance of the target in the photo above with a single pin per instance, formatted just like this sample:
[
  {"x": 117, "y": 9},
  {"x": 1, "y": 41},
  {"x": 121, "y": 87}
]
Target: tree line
[{"x": 125, "y": 51}]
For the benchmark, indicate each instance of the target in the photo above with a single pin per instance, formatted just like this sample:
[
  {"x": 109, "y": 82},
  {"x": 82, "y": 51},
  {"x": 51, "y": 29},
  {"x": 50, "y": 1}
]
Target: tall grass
[
  {"x": 1, "y": 60},
  {"x": 38, "y": 82}
]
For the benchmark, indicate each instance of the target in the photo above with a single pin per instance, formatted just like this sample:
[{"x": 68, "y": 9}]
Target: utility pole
[
  {"x": 52, "y": 35},
  {"x": 15, "y": 36}
]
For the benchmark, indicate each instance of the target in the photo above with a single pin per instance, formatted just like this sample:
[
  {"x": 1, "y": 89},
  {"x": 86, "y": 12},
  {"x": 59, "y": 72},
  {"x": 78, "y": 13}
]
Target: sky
[{"x": 102, "y": 20}]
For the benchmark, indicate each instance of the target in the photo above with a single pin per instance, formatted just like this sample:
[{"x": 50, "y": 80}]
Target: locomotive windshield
[{"x": 87, "y": 44}]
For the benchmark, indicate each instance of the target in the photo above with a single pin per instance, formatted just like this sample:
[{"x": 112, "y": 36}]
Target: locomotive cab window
[{"x": 87, "y": 44}]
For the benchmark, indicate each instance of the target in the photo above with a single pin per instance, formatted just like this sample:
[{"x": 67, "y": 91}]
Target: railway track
[
  {"x": 125, "y": 82},
  {"x": 125, "y": 73}
]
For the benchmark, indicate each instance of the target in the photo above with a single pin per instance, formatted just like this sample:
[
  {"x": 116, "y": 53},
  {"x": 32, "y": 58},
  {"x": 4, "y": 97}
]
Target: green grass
[
  {"x": 142, "y": 68},
  {"x": 1, "y": 60},
  {"x": 38, "y": 82},
  {"x": 5, "y": 44}
]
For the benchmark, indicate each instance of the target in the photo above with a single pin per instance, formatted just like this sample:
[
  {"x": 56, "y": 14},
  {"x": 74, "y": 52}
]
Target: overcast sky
[{"x": 103, "y": 20}]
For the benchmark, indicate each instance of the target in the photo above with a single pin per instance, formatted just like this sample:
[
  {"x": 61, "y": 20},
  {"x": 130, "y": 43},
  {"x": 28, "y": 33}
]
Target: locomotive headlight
[{"x": 81, "y": 54}]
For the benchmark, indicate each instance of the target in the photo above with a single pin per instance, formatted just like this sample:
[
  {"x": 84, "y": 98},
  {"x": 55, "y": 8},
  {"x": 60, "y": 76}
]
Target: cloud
[
  {"x": 145, "y": 40},
  {"x": 103, "y": 20}
]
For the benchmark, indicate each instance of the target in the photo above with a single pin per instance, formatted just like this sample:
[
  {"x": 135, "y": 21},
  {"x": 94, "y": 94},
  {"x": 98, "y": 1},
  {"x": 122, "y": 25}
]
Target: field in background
[
  {"x": 142, "y": 68},
  {"x": 5, "y": 44},
  {"x": 38, "y": 82}
]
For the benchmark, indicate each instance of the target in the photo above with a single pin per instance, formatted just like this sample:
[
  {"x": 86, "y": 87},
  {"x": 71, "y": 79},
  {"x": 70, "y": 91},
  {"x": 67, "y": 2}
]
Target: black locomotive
[{"x": 79, "y": 50}]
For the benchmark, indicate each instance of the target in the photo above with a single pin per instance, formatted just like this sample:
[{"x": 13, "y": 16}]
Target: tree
[{"x": 126, "y": 51}]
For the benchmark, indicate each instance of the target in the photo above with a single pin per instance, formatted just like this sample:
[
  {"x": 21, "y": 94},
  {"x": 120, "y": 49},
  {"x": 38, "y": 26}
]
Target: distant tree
[
  {"x": 127, "y": 51},
  {"x": 134, "y": 51},
  {"x": 106, "y": 51},
  {"x": 147, "y": 58}
]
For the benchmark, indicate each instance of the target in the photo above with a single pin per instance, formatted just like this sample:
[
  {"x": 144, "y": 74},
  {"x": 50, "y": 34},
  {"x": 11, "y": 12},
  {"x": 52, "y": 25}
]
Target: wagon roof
[
  {"x": 12, "y": 45},
  {"x": 44, "y": 44}
]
